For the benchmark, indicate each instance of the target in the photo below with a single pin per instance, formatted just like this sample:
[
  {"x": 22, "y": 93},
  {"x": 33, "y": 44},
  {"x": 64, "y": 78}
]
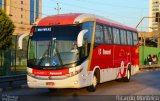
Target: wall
[{"x": 145, "y": 51}]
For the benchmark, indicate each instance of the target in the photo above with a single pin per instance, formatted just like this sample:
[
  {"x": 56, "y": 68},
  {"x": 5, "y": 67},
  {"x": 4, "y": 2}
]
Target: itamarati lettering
[{"x": 104, "y": 52}]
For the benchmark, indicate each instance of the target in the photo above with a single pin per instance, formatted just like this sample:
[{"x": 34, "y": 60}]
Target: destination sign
[
  {"x": 43, "y": 29},
  {"x": 42, "y": 33}
]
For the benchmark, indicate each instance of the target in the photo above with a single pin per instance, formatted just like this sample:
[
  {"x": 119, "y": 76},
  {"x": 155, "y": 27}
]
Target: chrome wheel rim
[
  {"x": 94, "y": 81},
  {"x": 128, "y": 74}
]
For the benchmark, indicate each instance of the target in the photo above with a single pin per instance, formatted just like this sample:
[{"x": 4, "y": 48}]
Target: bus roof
[{"x": 74, "y": 18}]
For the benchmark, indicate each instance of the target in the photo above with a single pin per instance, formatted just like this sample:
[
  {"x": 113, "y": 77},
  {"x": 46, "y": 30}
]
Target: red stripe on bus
[{"x": 50, "y": 72}]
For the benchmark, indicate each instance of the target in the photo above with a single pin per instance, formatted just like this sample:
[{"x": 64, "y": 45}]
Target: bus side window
[
  {"x": 135, "y": 38},
  {"x": 87, "y": 38},
  {"x": 116, "y": 36},
  {"x": 108, "y": 35},
  {"x": 129, "y": 38},
  {"x": 123, "y": 37},
  {"x": 99, "y": 34}
]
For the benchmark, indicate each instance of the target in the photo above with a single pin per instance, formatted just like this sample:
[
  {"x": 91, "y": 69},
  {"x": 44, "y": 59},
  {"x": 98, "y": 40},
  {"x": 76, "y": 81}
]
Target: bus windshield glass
[{"x": 53, "y": 46}]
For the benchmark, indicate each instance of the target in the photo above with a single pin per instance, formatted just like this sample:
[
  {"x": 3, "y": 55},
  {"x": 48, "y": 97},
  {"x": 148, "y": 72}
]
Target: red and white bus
[{"x": 80, "y": 50}]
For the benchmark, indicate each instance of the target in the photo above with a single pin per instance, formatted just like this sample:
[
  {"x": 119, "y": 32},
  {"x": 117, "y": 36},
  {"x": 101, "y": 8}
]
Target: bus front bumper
[{"x": 70, "y": 82}]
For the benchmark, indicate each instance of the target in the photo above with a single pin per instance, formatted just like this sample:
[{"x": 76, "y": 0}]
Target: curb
[{"x": 150, "y": 68}]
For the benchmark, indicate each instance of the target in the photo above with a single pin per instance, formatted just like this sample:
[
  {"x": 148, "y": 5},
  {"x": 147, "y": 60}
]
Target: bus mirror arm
[
  {"x": 80, "y": 37},
  {"x": 20, "y": 40}
]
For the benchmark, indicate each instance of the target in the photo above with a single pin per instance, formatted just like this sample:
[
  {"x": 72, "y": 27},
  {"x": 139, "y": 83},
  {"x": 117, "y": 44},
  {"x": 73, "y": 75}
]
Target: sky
[{"x": 128, "y": 12}]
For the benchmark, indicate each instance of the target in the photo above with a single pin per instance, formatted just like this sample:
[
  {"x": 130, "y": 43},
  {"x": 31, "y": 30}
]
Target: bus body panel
[
  {"x": 57, "y": 20},
  {"x": 111, "y": 59}
]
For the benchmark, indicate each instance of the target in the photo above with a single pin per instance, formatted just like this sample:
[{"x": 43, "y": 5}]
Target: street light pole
[{"x": 58, "y": 8}]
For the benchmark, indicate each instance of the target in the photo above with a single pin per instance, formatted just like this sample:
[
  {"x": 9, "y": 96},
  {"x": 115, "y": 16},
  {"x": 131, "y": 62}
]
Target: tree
[{"x": 6, "y": 31}]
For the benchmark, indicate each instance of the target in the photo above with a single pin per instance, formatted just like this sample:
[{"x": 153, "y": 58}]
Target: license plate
[{"x": 50, "y": 83}]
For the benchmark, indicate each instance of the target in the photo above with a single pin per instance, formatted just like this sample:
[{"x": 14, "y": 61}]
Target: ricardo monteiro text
[
  {"x": 125, "y": 98},
  {"x": 148, "y": 98},
  {"x": 137, "y": 98}
]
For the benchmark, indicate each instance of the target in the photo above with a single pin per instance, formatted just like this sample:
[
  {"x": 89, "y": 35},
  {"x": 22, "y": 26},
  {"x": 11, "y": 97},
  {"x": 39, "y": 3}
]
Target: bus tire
[
  {"x": 128, "y": 77},
  {"x": 95, "y": 81}
]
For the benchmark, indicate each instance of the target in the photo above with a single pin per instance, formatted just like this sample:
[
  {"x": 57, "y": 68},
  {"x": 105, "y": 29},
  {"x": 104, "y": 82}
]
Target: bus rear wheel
[
  {"x": 128, "y": 77},
  {"x": 92, "y": 88}
]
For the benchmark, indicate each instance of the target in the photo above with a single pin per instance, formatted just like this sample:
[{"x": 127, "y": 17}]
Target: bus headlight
[
  {"x": 74, "y": 73},
  {"x": 76, "y": 82}
]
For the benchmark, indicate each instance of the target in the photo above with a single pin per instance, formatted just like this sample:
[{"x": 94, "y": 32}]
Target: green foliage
[{"x": 6, "y": 31}]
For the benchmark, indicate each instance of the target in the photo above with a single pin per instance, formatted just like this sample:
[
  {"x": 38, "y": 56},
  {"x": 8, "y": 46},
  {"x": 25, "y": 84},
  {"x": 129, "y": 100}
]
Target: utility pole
[{"x": 58, "y": 8}]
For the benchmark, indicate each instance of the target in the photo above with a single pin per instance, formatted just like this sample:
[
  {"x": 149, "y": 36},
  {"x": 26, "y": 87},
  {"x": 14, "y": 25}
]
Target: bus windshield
[{"x": 53, "y": 46}]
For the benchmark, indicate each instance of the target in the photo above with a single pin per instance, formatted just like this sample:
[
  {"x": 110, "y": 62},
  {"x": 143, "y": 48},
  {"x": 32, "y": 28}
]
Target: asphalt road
[{"x": 144, "y": 83}]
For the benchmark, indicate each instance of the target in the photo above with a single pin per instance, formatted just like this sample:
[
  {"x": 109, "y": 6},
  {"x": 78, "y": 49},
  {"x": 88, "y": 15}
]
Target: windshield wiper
[
  {"x": 59, "y": 57},
  {"x": 55, "y": 49},
  {"x": 45, "y": 53},
  {"x": 57, "y": 52}
]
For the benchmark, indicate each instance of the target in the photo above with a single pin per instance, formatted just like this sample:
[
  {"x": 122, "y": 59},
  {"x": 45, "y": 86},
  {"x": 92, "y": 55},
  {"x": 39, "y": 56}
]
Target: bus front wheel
[{"x": 92, "y": 88}]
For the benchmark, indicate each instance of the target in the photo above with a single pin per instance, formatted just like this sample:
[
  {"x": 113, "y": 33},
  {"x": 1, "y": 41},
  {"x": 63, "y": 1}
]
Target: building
[
  {"x": 23, "y": 13},
  {"x": 154, "y": 7}
]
